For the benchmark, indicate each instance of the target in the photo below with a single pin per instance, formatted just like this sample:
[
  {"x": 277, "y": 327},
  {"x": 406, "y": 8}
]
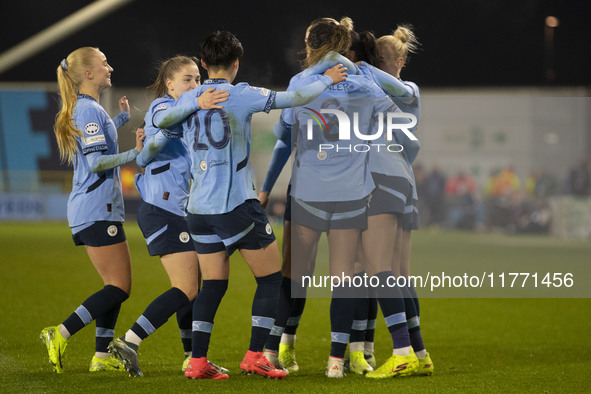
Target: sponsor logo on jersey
[
  {"x": 268, "y": 229},
  {"x": 112, "y": 230},
  {"x": 215, "y": 163},
  {"x": 160, "y": 107},
  {"x": 94, "y": 140},
  {"x": 92, "y": 128},
  {"x": 184, "y": 237},
  {"x": 265, "y": 92},
  {"x": 203, "y": 165}
]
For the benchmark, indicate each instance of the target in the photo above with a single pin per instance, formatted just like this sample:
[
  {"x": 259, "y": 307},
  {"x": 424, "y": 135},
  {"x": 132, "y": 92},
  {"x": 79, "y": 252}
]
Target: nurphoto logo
[{"x": 393, "y": 121}]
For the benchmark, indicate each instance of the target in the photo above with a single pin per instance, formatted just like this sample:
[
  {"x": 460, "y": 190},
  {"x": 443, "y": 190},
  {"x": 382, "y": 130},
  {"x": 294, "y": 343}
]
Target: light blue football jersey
[
  {"x": 95, "y": 196},
  {"x": 411, "y": 105},
  {"x": 407, "y": 98},
  {"x": 165, "y": 182},
  {"x": 340, "y": 173},
  {"x": 383, "y": 161},
  {"x": 218, "y": 141}
]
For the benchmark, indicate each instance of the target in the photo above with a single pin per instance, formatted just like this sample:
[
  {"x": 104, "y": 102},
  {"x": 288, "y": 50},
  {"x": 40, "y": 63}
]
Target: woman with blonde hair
[
  {"x": 87, "y": 139},
  {"x": 394, "y": 50}
]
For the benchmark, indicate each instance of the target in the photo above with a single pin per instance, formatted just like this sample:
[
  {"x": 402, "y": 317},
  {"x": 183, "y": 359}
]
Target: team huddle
[{"x": 199, "y": 202}]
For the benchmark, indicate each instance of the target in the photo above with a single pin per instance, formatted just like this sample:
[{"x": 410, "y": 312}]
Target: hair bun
[
  {"x": 402, "y": 33},
  {"x": 347, "y": 23}
]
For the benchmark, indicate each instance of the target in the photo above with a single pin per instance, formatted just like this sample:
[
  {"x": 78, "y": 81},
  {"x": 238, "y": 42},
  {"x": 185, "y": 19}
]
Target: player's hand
[
  {"x": 264, "y": 198},
  {"x": 338, "y": 73},
  {"x": 139, "y": 138},
  {"x": 211, "y": 97},
  {"x": 124, "y": 105}
]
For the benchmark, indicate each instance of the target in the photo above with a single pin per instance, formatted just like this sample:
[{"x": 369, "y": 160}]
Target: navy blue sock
[
  {"x": 264, "y": 309},
  {"x": 412, "y": 321},
  {"x": 342, "y": 311},
  {"x": 94, "y": 306},
  {"x": 204, "y": 309},
  {"x": 105, "y": 329},
  {"x": 297, "y": 308},
  {"x": 392, "y": 304},
  {"x": 158, "y": 312},
  {"x": 283, "y": 311},
  {"x": 415, "y": 298},
  {"x": 360, "y": 318},
  {"x": 184, "y": 318},
  {"x": 372, "y": 314}
]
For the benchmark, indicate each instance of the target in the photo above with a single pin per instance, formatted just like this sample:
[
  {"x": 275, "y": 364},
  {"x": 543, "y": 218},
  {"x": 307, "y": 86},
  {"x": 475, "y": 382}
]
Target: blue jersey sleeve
[
  {"x": 256, "y": 99},
  {"x": 152, "y": 148},
  {"x": 303, "y": 95},
  {"x": 280, "y": 155},
  {"x": 390, "y": 84},
  {"x": 91, "y": 122},
  {"x": 166, "y": 115},
  {"x": 120, "y": 119},
  {"x": 331, "y": 59},
  {"x": 99, "y": 162}
]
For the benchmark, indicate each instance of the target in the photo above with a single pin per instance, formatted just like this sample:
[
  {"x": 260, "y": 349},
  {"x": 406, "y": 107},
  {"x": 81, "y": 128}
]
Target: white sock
[
  {"x": 132, "y": 337},
  {"x": 421, "y": 353},
  {"x": 368, "y": 348},
  {"x": 101, "y": 355},
  {"x": 64, "y": 331},
  {"x": 356, "y": 346},
  {"x": 288, "y": 339},
  {"x": 403, "y": 351}
]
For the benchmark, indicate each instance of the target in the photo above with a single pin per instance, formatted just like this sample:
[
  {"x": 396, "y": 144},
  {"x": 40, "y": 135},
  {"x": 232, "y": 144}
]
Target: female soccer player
[
  {"x": 87, "y": 138},
  {"x": 330, "y": 190},
  {"x": 224, "y": 214},
  {"x": 164, "y": 188},
  {"x": 280, "y": 347},
  {"x": 391, "y": 172},
  {"x": 394, "y": 51}
]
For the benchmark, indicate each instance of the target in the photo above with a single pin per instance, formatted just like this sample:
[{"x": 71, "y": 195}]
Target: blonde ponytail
[{"x": 69, "y": 76}]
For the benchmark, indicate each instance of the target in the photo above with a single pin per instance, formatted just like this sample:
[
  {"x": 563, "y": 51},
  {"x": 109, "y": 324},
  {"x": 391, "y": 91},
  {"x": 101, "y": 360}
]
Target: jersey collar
[
  {"x": 86, "y": 97},
  {"x": 215, "y": 80}
]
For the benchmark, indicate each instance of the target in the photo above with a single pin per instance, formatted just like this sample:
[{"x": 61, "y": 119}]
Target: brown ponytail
[
  {"x": 167, "y": 70},
  {"x": 325, "y": 35}
]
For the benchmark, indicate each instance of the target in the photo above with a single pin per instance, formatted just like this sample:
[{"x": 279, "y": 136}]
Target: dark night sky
[{"x": 465, "y": 43}]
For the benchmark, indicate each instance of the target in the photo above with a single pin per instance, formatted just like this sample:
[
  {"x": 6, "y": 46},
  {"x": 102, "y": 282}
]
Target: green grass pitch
[{"x": 477, "y": 345}]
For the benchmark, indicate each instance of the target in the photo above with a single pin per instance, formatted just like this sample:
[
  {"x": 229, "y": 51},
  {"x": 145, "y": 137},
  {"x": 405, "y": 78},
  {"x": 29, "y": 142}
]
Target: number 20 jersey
[{"x": 218, "y": 141}]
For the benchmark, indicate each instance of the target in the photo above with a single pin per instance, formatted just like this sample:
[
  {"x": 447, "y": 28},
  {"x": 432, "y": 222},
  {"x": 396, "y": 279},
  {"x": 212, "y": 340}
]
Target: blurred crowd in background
[{"x": 505, "y": 202}]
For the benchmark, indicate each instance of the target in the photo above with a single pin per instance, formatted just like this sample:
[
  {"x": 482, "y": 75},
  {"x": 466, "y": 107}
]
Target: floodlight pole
[
  {"x": 57, "y": 31},
  {"x": 551, "y": 23}
]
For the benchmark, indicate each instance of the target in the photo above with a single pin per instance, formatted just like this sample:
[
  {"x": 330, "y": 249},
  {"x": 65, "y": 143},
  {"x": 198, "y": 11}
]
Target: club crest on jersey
[
  {"x": 112, "y": 230},
  {"x": 321, "y": 155},
  {"x": 268, "y": 228},
  {"x": 92, "y": 128},
  {"x": 184, "y": 237},
  {"x": 203, "y": 165}
]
